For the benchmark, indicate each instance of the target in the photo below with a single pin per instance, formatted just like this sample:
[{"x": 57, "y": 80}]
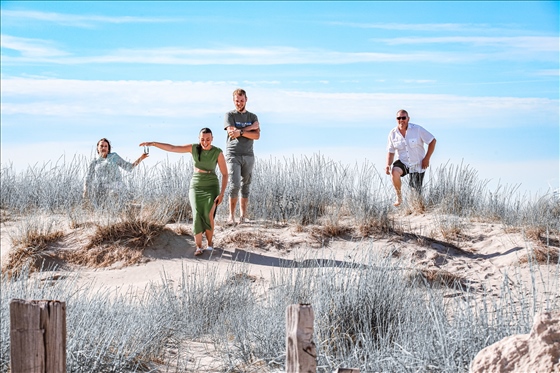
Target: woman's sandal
[{"x": 199, "y": 251}]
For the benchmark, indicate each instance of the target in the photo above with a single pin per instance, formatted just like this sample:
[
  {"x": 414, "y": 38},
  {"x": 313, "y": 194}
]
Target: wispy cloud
[
  {"x": 534, "y": 43},
  {"x": 31, "y": 48},
  {"x": 236, "y": 56},
  {"x": 69, "y": 99},
  {"x": 246, "y": 56},
  {"x": 79, "y": 20},
  {"x": 432, "y": 27},
  {"x": 551, "y": 72},
  {"x": 420, "y": 81}
]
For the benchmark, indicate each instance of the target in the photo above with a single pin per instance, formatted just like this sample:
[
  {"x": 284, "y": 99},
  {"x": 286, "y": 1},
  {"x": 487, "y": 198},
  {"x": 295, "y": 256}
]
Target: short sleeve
[
  {"x": 229, "y": 120},
  {"x": 426, "y": 136},
  {"x": 390, "y": 146}
]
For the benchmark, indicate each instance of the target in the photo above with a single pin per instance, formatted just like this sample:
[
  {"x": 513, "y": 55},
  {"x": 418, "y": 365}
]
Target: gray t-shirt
[{"x": 240, "y": 145}]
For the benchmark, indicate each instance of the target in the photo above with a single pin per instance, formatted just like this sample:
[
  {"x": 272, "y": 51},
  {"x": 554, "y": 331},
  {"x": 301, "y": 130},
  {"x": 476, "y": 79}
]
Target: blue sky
[{"x": 323, "y": 77}]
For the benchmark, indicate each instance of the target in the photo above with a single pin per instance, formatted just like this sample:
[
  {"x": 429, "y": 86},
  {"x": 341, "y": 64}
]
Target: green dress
[{"x": 204, "y": 187}]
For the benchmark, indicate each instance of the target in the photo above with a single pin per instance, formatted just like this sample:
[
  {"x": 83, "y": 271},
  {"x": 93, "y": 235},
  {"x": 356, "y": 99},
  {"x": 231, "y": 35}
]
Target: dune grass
[
  {"x": 370, "y": 313},
  {"x": 30, "y": 243},
  {"x": 367, "y": 315},
  {"x": 298, "y": 190}
]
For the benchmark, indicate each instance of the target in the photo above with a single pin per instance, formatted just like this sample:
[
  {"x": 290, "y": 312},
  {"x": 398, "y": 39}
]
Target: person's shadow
[
  {"x": 243, "y": 256},
  {"x": 169, "y": 246}
]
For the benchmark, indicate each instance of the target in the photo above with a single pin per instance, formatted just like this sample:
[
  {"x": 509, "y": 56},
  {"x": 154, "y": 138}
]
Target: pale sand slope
[{"x": 481, "y": 253}]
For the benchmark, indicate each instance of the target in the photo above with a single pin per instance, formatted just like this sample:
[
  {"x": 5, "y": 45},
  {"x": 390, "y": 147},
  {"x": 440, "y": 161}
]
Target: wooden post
[
  {"x": 37, "y": 336},
  {"x": 347, "y": 370},
  {"x": 301, "y": 355}
]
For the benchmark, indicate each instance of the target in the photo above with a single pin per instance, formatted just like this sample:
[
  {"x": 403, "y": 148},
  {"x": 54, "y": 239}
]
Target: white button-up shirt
[{"x": 410, "y": 148}]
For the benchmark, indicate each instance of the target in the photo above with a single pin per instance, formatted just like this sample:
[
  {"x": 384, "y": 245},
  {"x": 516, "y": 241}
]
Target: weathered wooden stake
[
  {"x": 37, "y": 336},
  {"x": 347, "y": 370},
  {"x": 301, "y": 354}
]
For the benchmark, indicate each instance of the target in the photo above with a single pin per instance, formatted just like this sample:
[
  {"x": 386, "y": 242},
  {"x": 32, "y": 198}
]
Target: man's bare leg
[
  {"x": 244, "y": 203},
  {"x": 232, "y": 207},
  {"x": 397, "y": 172}
]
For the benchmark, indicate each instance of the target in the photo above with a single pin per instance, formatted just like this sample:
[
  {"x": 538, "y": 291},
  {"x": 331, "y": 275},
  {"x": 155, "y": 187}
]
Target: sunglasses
[{"x": 401, "y": 118}]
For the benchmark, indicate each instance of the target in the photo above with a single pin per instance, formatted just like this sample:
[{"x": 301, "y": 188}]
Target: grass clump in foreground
[
  {"x": 122, "y": 241},
  {"x": 366, "y": 316},
  {"x": 33, "y": 237}
]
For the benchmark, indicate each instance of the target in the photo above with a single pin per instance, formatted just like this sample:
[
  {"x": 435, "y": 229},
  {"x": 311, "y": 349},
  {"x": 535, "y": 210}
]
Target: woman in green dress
[{"x": 204, "y": 193}]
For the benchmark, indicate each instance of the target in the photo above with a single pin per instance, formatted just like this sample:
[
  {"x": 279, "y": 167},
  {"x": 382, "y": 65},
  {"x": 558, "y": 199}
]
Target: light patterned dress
[{"x": 104, "y": 176}]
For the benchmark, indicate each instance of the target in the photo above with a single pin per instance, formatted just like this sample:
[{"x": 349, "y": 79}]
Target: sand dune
[{"x": 480, "y": 254}]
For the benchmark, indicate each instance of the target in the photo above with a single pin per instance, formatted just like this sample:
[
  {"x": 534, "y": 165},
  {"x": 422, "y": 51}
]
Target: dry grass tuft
[
  {"x": 374, "y": 228},
  {"x": 30, "y": 250},
  {"x": 330, "y": 230},
  {"x": 182, "y": 230},
  {"x": 450, "y": 227},
  {"x": 105, "y": 256},
  {"x": 437, "y": 277},
  {"x": 5, "y": 216},
  {"x": 256, "y": 240},
  {"x": 132, "y": 233},
  {"x": 534, "y": 233},
  {"x": 543, "y": 255},
  {"x": 241, "y": 278},
  {"x": 298, "y": 228},
  {"x": 417, "y": 204},
  {"x": 122, "y": 243}
]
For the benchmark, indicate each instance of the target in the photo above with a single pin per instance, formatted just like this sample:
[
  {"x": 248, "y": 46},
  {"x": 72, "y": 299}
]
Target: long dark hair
[
  {"x": 104, "y": 140},
  {"x": 198, "y": 147}
]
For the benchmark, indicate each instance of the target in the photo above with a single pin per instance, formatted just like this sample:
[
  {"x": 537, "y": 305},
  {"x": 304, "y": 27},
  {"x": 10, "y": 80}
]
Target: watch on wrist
[{"x": 240, "y": 132}]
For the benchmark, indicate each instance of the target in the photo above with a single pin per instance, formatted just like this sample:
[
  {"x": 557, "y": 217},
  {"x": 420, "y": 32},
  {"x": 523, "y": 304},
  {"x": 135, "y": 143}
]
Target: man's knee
[
  {"x": 245, "y": 191},
  {"x": 234, "y": 188},
  {"x": 397, "y": 172}
]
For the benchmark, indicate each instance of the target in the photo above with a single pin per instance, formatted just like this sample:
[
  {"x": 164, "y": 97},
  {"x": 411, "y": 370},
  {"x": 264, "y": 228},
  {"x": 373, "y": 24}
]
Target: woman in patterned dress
[{"x": 104, "y": 177}]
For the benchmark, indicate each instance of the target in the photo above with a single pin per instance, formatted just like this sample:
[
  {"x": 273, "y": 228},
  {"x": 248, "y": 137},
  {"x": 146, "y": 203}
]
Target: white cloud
[
  {"x": 421, "y": 81},
  {"x": 79, "y": 20},
  {"x": 434, "y": 27},
  {"x": 530, "y": 43},
  {"x": 65, "y": 98},
  {"x": 551, "y": 72},
  {"x": 31, "y": 48},
  {"x": 512, "y": 48},
  {"x": 241, "y": 56}
]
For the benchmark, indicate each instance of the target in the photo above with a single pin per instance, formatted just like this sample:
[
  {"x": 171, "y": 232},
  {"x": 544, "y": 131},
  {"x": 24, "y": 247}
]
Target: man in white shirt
[{"x": 407, "y": 140}]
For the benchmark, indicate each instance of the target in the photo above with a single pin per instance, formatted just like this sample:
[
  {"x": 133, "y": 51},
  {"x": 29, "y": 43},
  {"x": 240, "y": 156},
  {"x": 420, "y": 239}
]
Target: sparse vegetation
[
  {"x": 34, "y": 235},
  {"x": 543, "y": 255},
  {"x": 371, "y": 313},
  {"x": 367, "y": 316}
]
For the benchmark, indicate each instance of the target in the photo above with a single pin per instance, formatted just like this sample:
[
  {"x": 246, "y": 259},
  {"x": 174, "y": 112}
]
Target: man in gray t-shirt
[{"x": 242, "y": 128}]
